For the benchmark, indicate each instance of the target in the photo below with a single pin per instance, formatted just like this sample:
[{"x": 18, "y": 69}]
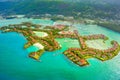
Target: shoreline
[
  {"x": 77, "y": 55},
  {"x": 111, "y": 26}
]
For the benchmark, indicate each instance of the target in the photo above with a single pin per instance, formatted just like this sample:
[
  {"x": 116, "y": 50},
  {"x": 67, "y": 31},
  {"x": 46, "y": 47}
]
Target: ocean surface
[{"x": 16, "y": 65}]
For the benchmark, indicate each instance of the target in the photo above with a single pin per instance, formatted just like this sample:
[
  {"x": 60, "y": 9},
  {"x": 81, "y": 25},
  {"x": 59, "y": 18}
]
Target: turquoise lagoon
[{"x": 16, "y": 65}]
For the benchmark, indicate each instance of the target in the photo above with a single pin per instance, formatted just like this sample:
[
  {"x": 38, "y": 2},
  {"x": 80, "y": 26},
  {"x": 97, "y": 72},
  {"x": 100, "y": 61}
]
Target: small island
[{"x": 44, "y": 39}]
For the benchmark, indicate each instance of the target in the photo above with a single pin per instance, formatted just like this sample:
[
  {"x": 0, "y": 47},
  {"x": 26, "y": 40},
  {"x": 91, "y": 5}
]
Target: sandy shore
[
  {"x": 40, "y": 34},
  {"x": 40, "y": 46}
]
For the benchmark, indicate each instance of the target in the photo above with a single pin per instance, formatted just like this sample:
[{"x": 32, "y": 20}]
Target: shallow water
[
  {"x": 15, "y": 64},
  {"x": 99, "y": 44},
  {"x": 18, "y": 21}
]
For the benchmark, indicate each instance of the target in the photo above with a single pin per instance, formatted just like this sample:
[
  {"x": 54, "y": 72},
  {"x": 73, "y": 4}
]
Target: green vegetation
[
  {"x": 111, "y": 25},
  {"x": 36, "y": 55},
  {"x": 84, "y": 9}
]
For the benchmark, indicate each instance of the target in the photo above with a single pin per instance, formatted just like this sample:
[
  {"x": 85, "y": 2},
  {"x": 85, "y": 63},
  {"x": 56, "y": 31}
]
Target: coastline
[
  {"x": 48, "y": 43},
  {"x": 113, "y": 27}
]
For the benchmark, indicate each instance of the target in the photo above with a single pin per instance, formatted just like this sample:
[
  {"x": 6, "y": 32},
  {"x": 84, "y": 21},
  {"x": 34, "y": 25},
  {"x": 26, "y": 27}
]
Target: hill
[{"x": 87, "y": 8}]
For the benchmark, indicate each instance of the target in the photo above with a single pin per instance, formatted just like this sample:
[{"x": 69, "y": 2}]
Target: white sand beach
[
  {"x": 40, "y": 46},
  {"x": 40, "y": 34}
]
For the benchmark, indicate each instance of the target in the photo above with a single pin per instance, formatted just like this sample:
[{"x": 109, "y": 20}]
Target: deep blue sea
[{"x": 16, "y": 65}]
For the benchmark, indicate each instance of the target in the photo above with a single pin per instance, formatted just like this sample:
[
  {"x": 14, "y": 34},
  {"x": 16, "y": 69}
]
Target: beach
[
  {"x": 38, "y": 45},
  {"x": 40, "y": 34}
]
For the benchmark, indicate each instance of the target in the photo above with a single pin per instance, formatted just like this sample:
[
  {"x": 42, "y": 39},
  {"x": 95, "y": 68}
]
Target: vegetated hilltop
[{"x": 86, "y": 8}]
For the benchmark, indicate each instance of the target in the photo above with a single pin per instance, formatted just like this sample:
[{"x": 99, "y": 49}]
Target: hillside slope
[{"x": 86, "y": 8}]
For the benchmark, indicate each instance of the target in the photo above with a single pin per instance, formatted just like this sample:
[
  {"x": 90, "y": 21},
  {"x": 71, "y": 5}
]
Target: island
[{"x": 44, "y": 38}]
